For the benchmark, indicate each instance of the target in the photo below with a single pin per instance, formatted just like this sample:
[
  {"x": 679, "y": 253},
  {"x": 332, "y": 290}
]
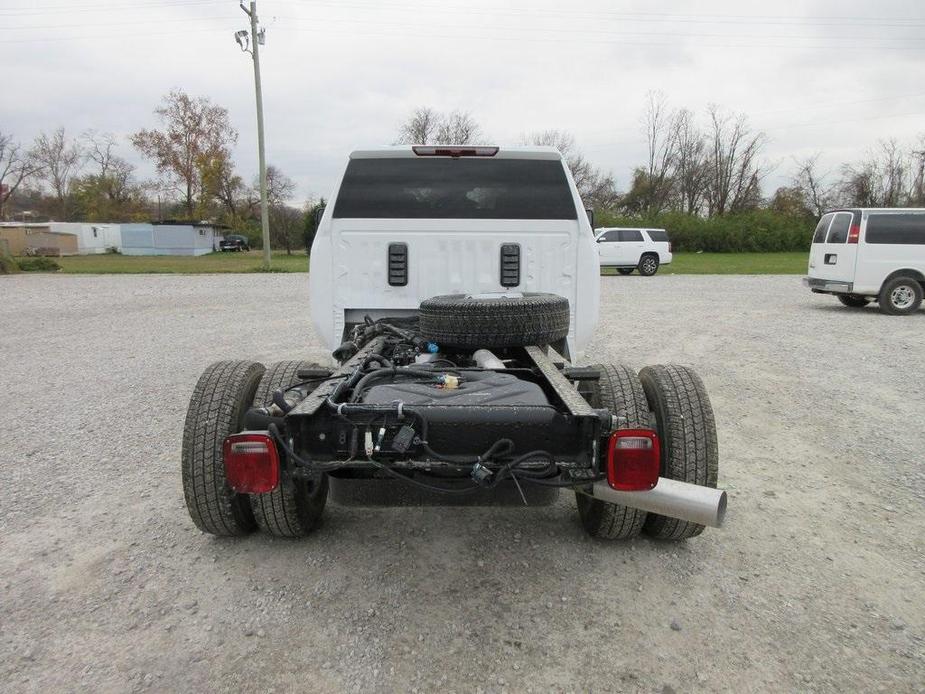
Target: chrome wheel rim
[
  {"x": 902, "y": 297},
  {"x": 648, "y": 265}
]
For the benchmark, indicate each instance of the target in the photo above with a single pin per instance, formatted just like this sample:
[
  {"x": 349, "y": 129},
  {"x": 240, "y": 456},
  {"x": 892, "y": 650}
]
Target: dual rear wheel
[
  {"x": 674, "y": 400},
  {"x": 223, "y": 394}
]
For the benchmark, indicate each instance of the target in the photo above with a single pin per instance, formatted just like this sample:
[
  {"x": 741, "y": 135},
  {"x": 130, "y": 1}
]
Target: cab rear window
[
  {"x": 455, "y": 188},
  {"x": 896, "y": 228}
]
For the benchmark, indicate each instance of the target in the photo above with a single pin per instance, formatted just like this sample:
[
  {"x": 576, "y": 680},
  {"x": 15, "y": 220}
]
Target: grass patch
[
  {"x": 733, "y": 264},
  {"x": 173, "y": 264},
  {"x": 683, "y": 264}
]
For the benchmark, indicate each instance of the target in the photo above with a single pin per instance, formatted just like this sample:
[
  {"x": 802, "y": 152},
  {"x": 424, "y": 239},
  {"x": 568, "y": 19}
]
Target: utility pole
[{"x": 256, "y": 38}]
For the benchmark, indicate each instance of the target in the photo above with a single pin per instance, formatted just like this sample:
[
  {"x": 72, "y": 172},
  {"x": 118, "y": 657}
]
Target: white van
[
  {"x": 628, "y": 249},
  {"x": 865, "y": 255}
]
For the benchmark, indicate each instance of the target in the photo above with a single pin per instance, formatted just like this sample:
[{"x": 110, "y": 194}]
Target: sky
[{"x": 816, "y": 76}]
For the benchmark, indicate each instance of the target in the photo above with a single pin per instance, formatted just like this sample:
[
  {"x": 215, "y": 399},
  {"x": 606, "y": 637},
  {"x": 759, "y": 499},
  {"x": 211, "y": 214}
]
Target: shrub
[
  {"x": 38, "y": 265},
  {"x": 759, "y": 231},
  {"x": 8, "y": 266}
]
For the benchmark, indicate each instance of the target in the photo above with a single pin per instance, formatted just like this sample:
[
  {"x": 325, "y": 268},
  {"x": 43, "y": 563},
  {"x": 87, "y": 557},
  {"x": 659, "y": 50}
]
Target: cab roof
[{"x": 474, "y": 151}]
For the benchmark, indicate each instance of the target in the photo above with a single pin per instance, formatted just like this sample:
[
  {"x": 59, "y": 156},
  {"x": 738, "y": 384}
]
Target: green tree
[{"x": 313, "y": 212}]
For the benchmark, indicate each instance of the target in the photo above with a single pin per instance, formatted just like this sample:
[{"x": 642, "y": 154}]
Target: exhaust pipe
[
  {"x": 682, "y": 500},
  {"x": 486, "y": 359}
]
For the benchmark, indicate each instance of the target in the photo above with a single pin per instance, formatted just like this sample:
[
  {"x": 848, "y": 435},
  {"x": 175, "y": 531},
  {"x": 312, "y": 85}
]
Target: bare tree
[
  {"x": 817, "y": 195},
  {"x": 114, "y": 175},
  {"x": 195, "y": 134},
  {"x": 733, "y": 167},
  {"x": 287, "y": 226},
  {"x": 60, "y": 160},
  {"x": 595, "y": 187},
  {"x": 885, "y": 178},
  {"x": 421, "y": 128},
  {"x": 661, "y": 130},
  {"x": 458, "y": 128},
  {"x": 16, "y": 167},
  {"x": 917, "y": 195},
  {"x": 280, "y": 188},
  {"x": 690, "y": 165},
  {"x": 286, "y": 223}
]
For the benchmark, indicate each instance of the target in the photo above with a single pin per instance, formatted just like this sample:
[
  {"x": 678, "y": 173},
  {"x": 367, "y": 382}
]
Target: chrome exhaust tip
[{"x": 681, "y": 500}]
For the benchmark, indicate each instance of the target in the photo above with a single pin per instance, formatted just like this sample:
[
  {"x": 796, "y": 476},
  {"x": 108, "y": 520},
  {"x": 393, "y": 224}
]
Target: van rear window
[
  {"x": 896, "y": 228},
  {"x": 821, "y": 228},
  {"x": 461, "y": 188},
  {"x": 658, "y": 235},
  {"x": 838, "y": 232}
]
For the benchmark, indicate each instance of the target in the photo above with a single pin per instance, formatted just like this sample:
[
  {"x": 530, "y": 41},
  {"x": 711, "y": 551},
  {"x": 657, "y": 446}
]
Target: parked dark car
[{"x": 234, "y": 242}]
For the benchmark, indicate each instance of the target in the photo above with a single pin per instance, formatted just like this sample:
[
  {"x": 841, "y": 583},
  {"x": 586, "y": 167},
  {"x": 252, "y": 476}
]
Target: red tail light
[
  {"x": 669, "y": 246},
  {"x": 854, "y": 233},
  {"x": 633, "y": 460},
  {"x": 251, "y": 462},
  {"x": 428, "y": 151}
]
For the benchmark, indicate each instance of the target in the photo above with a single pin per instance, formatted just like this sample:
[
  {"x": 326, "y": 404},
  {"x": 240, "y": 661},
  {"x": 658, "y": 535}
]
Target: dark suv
[{"x": 234, "y": 242}]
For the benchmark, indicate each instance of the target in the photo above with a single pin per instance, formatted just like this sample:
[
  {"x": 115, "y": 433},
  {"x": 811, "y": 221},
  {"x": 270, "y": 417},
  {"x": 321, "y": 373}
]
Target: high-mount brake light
[
  {"x": 428, "y": 151},
  {"x": 633, "y": 460},
  {"x": 854, "y": 233},
  {"x": 251, "y": 462}
]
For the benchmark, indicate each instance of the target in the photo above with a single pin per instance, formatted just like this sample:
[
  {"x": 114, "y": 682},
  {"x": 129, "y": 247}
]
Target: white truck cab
[
  {"x": 408, "y": 223},
  {"x": 862, "y": 255}
]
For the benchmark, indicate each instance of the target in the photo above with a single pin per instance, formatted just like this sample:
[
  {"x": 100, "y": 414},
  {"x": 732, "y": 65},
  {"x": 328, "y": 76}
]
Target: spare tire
[{"x": 502, "y": 320}]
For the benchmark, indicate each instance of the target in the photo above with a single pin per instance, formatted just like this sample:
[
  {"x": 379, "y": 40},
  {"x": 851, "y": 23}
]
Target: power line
[
  {"x": 822, "y": 20},
  {"x": 134, "y": 22},
  {"x": 161, "y": 4}
]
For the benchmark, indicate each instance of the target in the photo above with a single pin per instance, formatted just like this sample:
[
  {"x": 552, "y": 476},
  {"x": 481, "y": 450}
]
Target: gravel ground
[{"x": 816, "y": 584}]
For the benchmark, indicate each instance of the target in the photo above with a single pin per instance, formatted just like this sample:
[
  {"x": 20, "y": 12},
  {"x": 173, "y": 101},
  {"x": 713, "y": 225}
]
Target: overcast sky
[{"x": 816, "y": 76}]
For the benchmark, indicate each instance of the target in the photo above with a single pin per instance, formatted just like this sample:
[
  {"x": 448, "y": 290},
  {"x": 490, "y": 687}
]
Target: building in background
[
  {"x": 38, "y": 239},
  {"x": 91, "y": 238},
  {"x": 171, "y": 237}
]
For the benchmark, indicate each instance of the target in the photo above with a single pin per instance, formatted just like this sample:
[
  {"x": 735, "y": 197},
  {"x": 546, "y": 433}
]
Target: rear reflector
[
  {"x": 854, "y": 233},
  {"x": 633, "y": 460},
  {"x": 251, "y": 462},
  {"x": 428, "y": 151}
]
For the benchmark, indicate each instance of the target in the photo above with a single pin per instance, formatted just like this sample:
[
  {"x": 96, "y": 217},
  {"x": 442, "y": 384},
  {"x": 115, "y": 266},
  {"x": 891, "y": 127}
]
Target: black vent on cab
[
  {"x": 510, "y": 264},
  {"x": 398, "y": 264}
]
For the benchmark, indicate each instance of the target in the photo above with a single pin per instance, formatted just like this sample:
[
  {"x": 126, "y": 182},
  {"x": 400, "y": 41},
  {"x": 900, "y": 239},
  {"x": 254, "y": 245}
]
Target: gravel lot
[{"x": 816, "y": 584}]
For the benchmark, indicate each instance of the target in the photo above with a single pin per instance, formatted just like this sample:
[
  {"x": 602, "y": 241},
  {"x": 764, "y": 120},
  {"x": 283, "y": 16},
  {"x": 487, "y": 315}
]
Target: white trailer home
[
  {"x": 169, "y": 238},
  {"x": 91, "y": 238}
]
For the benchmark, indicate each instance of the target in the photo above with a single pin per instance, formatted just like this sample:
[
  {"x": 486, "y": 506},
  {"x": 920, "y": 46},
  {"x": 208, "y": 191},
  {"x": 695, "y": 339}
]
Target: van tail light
[
  {"x": 854, "y": 233},
  {"x": 426, "y": 151},
  {"x": 251, "y": 462},
  {"x": 633, "y": 460}
]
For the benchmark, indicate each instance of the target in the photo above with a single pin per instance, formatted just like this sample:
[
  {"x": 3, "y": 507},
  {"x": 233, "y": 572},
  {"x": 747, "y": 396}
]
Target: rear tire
[
  {"x": 294, "y": 508},
  {"x": 900, "y": 296},
  {"x": 221, "y": 397},
  {"x": 625, "y": 270},
  {"x": 619, "y": 391},
  {"x": 853, "y": 300},
  {"x": 687, "y": 432},
  {"x": 648, "y": 264}
]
